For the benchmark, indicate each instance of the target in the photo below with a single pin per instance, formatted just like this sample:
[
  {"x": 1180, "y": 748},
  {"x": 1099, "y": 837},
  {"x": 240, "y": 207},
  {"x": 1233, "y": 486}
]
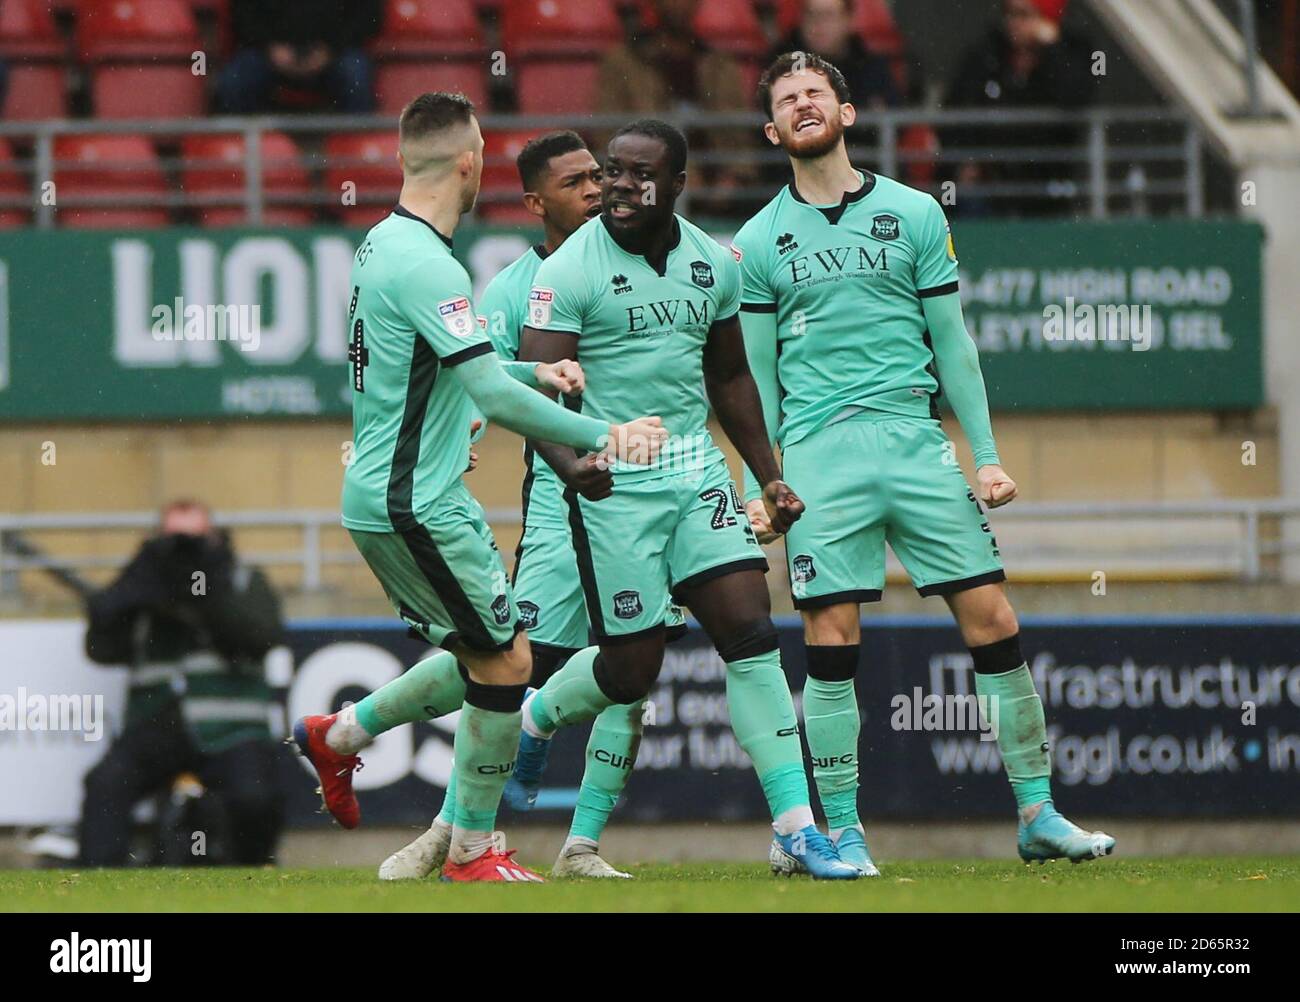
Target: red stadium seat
[
  {"x": 214, "y": 165},
  {"x": 556, "y": 46},
  {"x": 429, "y": 45},
  {"x": 140, "y": 56},
  {"x": 12, "y": 185},
  {"x": 727, "y": 25},
  {"x": 368, "y": 160},
  {"x": 500, "y": 177},
  {"x": 125, "y": 168},
  {"x": 874, "y": 20},
  {"x": 30, "y": 43}
]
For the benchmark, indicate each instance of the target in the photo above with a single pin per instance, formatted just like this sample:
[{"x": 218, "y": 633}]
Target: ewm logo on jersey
[
  {"x": 835, "y": 263},
  {"x": 662, "y": 317}
]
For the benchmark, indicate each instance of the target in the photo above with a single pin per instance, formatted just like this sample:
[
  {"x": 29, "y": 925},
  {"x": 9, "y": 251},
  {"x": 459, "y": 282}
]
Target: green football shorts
[
  {"x": 444, "y": 575},
  {"x": 548, "y": 590},
  {"x": 868, "y": 481},
  {"x": 639, "y": 550}
]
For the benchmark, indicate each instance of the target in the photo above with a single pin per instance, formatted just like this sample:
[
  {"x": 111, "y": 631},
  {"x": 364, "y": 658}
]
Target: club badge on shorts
[
  {"x": 539, "y": 306},
  {"x": 627, "y": 605},
  {"x": 457, "y": 316}
]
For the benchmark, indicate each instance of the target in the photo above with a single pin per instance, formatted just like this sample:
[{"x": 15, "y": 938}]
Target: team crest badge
[
  {"x": 702, "y": 274},
  {"x": 501, "y": 610},
  {"x": 528, "y": 614},
  {"x": 885, "y": 227},
  {"x": 801, "y": 569},
  {"x": 457, "y": 316},
  {"x": 539, "y": 306},
  {"x": 627, "y": 605}
]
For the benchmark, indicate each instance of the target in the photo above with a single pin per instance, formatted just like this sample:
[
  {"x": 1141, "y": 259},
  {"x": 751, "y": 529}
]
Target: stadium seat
[
  {"x": 369, "y": 161},
  {"x": 556, "y": 45},
  {"x": 429, "y": 45},
  {"x": 140, "y": 57},
  {"x": 727, "y": 25},
  {"x": 214, "y": 165},
  {"x": 12, "y": 185},
  {"x": 874, "y": 20},
  {"x": 125, "y": 168},
  {"x": 30, "y": 44},
  {"x": 501, "y": 178}
]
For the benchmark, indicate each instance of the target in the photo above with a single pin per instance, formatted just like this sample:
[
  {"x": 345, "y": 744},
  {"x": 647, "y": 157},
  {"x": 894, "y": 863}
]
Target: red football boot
[
  {"x": 492, "y": 865},
  {"x": 334, "y": 769}
]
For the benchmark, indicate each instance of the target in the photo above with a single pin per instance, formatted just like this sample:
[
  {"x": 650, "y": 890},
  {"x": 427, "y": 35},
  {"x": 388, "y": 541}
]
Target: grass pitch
[{"x": 1134, "y": 885}]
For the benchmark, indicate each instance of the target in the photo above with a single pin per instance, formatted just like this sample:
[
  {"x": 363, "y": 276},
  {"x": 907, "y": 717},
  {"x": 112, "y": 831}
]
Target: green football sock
[
  {"x": 611, "y": 753},
  {"x": 1021, "y": 729},
  {"x": 486, "y": 744},
  {"x": 570, "y": 696},
  {"x": 428, "y": 689},
  {"x": 447, "y": 815},
  {"x": 762, "y": 717},
  {"x": 832, "y": 723}
]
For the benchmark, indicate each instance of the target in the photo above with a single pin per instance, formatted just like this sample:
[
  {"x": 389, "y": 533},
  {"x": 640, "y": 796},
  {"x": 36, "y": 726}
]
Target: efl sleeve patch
[
  {"x": 737, "y": 253},
  {"x": 457, "y": 316},
  {"x": 540, "y": 301}
]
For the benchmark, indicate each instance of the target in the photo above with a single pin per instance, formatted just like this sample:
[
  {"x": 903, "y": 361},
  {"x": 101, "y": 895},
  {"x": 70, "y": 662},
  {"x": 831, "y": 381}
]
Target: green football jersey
[
  {"x": 502, "y": 313},
  {"x": 846, "y": 284},
  {"x": 410, "y": 318},
  {"x": 641, "y": 332}
]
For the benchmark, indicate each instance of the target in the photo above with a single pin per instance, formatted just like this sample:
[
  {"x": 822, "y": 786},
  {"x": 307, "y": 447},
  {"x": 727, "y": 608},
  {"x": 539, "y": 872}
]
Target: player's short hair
[
  {"x": 537, "y": 153},
  {"x": 426, "y": 128},
  {"x": 785, "y": 64},
  {"x": 430, "y": 113},
  {"x": 669, "y": 135}
]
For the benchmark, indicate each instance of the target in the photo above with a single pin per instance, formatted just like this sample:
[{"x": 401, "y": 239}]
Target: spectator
[
  {"x": 312, "y": 45},
  {"x": 193, "y": 626},
  {"x": 1026, "y": 61},
  {"x": 665, "y": 67},
  {"x": 826, "y": 28}
]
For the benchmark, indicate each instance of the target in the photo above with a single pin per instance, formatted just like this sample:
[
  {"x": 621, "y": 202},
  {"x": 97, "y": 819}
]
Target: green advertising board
[{"x": 179, "y": 323}]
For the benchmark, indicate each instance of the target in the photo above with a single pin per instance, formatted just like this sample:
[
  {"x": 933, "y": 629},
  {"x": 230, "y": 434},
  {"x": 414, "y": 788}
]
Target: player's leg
[
  {"x": 941, "y": 535},
  {"x": 1011, "y": 705},
  {"x": 718, "y": 570},
  {"x": 836, "y": 556}
]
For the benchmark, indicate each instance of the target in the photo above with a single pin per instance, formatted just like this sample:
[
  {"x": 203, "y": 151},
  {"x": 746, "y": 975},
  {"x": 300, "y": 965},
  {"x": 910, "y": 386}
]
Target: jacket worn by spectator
[
  {"x": 340, "y": 24},
  {"x": 193, "y": 627}
]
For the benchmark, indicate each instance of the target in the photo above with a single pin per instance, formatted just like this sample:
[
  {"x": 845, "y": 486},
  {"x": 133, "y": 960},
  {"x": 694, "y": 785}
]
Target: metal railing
[
  {"x": 1242, "y": 540},
  {"x": 1133, "y": 160}
]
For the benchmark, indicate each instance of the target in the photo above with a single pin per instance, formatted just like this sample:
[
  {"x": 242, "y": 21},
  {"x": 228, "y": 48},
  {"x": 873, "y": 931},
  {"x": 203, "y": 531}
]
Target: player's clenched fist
[
  {"x": 772, "y": 515},
  {"x": 590, "y": 476},
  {"x": 564, "y": 375},
  {"x": 637, "y": 441},
  {"x": 995, "y": 487}
]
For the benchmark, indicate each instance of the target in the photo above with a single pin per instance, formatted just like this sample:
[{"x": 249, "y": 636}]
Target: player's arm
[
  {"x": 735, "y": 398},
  {"x": 589, "y": 475},
  {"x": 958, "y": 362},
  {"x": 532, "y": 414}
]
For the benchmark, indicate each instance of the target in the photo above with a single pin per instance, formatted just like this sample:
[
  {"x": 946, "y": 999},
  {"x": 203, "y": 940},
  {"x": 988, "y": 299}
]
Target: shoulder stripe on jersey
[
  {"x": 938, "y": 290},
  {"x": 465, "y": 354},
  {"x": 758, "y": 307},
  {"x": 421, "y": 375}
]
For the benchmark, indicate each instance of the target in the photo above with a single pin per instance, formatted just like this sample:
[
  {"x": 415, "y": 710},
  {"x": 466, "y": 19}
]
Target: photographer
[{"x": 193, "y": 626}]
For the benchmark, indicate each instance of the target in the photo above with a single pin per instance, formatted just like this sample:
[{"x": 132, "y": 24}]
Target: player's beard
[{"x": 812, "y": 149}]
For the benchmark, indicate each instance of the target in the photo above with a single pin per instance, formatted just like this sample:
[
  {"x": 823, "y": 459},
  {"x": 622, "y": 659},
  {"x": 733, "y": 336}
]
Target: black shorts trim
[
  {"x": 857, "y": 596},
  {"x": 464, "y": 617},
  {"x": 722, "y": 570},
  {"x": 939, "y": 290},
  {"x": 465, "y": 354},
  {"x": 672, "y": 634},
  {"x": 491, "y": 648},
  {"x": 758, "y": 307},
  {"x": 962, "y": 584},
  {"x": 613, "y": 640},
  {"x": 563, "y": 653},
  {"x": 586, "y": 567}
]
